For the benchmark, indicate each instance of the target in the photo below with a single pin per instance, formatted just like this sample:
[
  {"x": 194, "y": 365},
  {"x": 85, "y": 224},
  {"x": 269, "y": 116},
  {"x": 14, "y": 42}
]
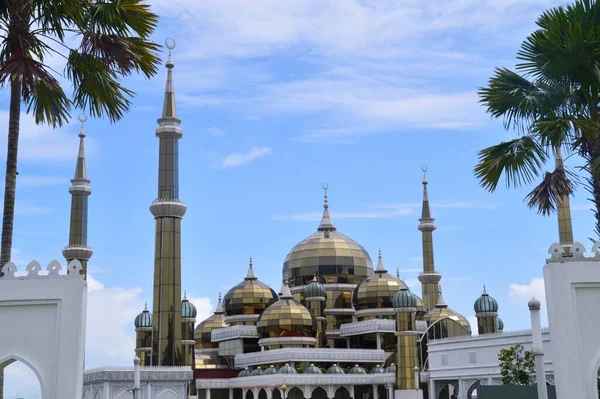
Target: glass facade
[{"x": 287, "y": 318}]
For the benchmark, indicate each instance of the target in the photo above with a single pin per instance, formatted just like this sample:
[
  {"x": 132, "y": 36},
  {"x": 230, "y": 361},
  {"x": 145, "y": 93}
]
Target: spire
[
  {"x": 440, "y": 300},
  {"x": 484, "y": 291},
  {"x": 169, "y": 103},
  {"x": 250, "y": 275},
  {"x": 398, "y": 273},
  {"x": 326, "y": 224},
  {"x": 80, "y": 169},
  {"x": 380, "y": 267},
  {"x": 145, "y": 306},
  {"x": 185, "y": 295},
  {"x": 426, "y": 221},
  {"x": 565, "y": 227},
  {"x": 285, "y": 290},
  {"x": 219, "y": 308}
]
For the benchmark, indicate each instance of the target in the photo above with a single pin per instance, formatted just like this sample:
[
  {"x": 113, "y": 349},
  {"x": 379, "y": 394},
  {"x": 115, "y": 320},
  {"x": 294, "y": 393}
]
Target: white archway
[{"x": 20, "y": 379}]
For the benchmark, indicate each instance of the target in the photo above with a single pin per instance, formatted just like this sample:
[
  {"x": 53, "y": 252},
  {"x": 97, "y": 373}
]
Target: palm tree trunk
[{"x": 10, "y": 184}]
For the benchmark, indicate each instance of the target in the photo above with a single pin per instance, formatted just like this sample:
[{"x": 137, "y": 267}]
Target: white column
[
  {"x": 390, "y": 388},
  {"x": 538, "y": 350},
  {"x": 375, "y": 393},
  {"x": 207, "y": 393},
  {"x": 352, "y": 391},
  {"x": 432, "y": 389},
  {"x": 231, "y": 393},
  {"x": 378, "y": 335},
  {"x": 348, "y": 343}
]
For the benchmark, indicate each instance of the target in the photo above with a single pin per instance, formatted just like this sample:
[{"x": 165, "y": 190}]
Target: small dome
[
  {"x": 312, "y": 369},
  {"x": 203, "y": 331},
  {"x": 500, "y": 324},
  {"x": 335, "y": 257},
  {"x": 244, "y": 373},
  {"x": 377, "y": 290},
  {"x": 405, "y": 299},
  {"x": 287, "y": 318},
  {"x": 485, "y": 303},
  {"x": 248, "y": 297},
  {"x": 287, "y": 369},
  {"x": 357, "y": 370},
  {"x": 335, "y": 369},
  {"x": 441, "y": 311},
  {"x": 377, "y": 369},
  {"x": 271, "y": 370},
  {"x": 144, "y": 319},
  {"x": 534, "y": 304},
  {"x": 257, "y": 371},
  {"x": 188, "y": 310},
  {"x": 314, "y": 289},
  {"x": 391, "y": 368}
]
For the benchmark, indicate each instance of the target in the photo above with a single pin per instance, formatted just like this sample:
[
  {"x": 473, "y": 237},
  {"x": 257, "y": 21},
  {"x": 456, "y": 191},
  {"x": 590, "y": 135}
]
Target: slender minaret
[
  {"x": 405, "y": 304},
  {"x": 565, "y": 228},
  {"x": 168, "y": 212},
  {"x": 315, "y": 298},
  {"x": 80, "y": 191},
  {"x": 429, "y": 278}
]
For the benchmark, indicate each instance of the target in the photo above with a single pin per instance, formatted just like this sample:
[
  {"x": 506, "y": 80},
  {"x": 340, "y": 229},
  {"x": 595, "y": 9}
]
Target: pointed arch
[
  {"x": 167, "y": 393},
  {"x": 318, "y": 392},
  {"x": 10, "y": 359},
  {"x": 249, "y": 394},
  {"x": 295, "y": 393},
  {"x": 341, "y": 392},
  {"x": 262, "y": 394}
]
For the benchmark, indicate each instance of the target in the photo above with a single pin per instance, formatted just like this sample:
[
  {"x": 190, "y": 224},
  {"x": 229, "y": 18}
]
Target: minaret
[
  {"x": 315, "y": 298},
  {"x": 168, "y": 212},
  {"x": 565, "y": 228},
  {"x": 143, "y": 337},
  {"x": 80, "y": 191},
  {"x": 429, "y": 278},
  {"x": 486, "y": 311},
  {"x": 188, "y": 319},
  {"x": 405, "y": 304}
]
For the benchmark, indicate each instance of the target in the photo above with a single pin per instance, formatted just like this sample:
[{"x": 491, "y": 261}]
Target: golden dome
[
  {"x": 203, "y": 331},
  {"x": 287, "y": 318},
  {"x": 378, "y": 290},
  {"x": 442, "y": 311},
  {"x": 333, "y": 256},
  {"x": 248, "y": 297}
]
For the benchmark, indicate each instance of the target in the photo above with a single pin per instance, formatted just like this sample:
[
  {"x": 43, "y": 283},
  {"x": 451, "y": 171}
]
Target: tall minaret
[
  {"x": 429, "y": 278},
  {"x": 168, "y": 211},
  {"x": 80, "y": 190},
  {"x": 565, "y": 228}
]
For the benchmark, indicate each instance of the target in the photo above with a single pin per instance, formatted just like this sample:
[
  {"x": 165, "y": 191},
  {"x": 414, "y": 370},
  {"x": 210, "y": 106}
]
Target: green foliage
[
  {"x": 551, "y": 100},
  {"x": 114, "y": 42},
  {"x": 516, "y": 366}
]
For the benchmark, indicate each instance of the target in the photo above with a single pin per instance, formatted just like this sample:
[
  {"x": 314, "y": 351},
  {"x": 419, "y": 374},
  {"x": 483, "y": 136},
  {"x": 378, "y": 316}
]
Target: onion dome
[
  {"x": 357, "y": 370},
  {"x": 314, "y": 289},
  {"x": 485, "y": 303},
  {"x": 188, "y": 310},
  {"x": 499, "y": 324},
  {"x": 335, "y": 257},
  {"x": 271, "y": 370},
  {"x": 203, "y": 331},
  {"x": 377, "y": 290},
  {"x": 287, "y": 369},
  {"x": 287, "y": 318},
  {"x": 442, "y": 311},
  {"x": 244, "y": 373},
  {"x": 377, "y": 369},
  {"x": 390, "y": 369},
  {"x": 144, "y": 319},
  {"x": 248, "y": 297},
  {"x": 312, "y": 369},
  {"x": 335, "y": 369},
  {"x": 257, "y": 371},
  {"x": 405, "y": 299}
]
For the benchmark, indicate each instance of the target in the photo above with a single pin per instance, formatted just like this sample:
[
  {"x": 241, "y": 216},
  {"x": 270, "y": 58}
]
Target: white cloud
[
  {"x": 385, "y": 211},
  {"x": 238, "y": 158},
  {"x": 28, "y": 207},
  {"x": 215, "y": 131},
  {"x": 520, "y": 294},
  {"x": 40, "y": 181}
]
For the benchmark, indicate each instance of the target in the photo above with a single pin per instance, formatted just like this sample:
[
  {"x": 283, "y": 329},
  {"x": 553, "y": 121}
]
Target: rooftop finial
[
  {"x": 315, "y": 277},
  {"x": 250, "y": 275},
  {"x": 484, "y": 291},
  {"x": 184, "y": 295},
  {"x": 219, "y": 308},
  {"x": 440, "y": 301},
  {"x": 380, "y": 267},
  {"x": 169, "y": 103},
  {"x": 285, "y": 290},
  {"x": 424, "y": 169},
  {"x": 326, "y": 225},
  {"x": 82, "y": 119},
  {"x": 398, "y": 273},
  {"x": 145, "y": 306},
  {"x": 80, "y": 169}
]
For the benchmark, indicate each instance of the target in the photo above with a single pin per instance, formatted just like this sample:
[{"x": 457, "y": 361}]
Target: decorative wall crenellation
[{"x": 53, "y": 270}]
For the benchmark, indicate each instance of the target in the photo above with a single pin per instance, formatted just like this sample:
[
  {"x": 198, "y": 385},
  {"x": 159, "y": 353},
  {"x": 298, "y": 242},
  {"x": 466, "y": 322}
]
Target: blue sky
[{"x": 277, "y": 98}]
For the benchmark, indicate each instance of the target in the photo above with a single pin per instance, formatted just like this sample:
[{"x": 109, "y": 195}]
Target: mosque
[{"x": 338, "y": 327}]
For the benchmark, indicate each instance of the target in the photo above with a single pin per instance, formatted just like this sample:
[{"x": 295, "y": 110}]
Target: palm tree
[
  {"x": 552, "y": 101},
  {"x": 113, "y": 41}
]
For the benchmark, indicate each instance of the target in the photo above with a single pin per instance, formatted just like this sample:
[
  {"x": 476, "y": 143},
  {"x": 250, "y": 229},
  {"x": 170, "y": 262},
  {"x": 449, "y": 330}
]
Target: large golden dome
[
  {"x": 441, "y": 311},
  {"x": 203, "y": 331},
  {"x": 333, "y": 256},
  {"x": 378, "y": 290},
  {"x": 248, "y": 297},
  {"x": 287, "y": 318}
]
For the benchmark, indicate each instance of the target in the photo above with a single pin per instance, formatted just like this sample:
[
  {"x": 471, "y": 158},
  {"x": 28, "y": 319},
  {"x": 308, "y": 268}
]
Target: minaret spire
[
  {"x": 80, "y": 191},
  {"x": 380, "y": 267},
  {"x": 429, "y": 278},
  {"x": 565, "y": 227},
  {"x": 168, "y": 212},
  {"x": 326, "y": 225}
]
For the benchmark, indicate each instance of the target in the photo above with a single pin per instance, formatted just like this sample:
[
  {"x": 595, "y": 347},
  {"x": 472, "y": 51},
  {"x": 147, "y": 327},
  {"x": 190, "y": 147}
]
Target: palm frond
[
  {"x": 49, "y": 105},
  {"x": 122, "y": 18},
  {"x": 544, "y": 197},
  {"x": 520, "y": 160},
  {"x": 56, "y": 16}
]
